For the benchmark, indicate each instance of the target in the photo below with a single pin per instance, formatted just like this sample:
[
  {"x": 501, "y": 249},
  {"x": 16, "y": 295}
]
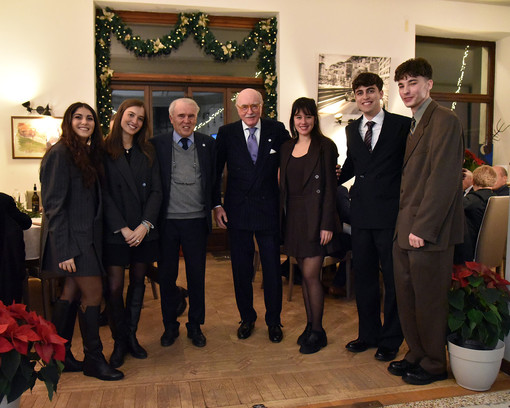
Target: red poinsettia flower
[
  {"x": 460, "y": 274},
  {"x": 51, "y": 344}
]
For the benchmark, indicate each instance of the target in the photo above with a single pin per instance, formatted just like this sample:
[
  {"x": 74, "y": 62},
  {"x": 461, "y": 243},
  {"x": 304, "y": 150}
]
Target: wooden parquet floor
[{"x": 229, "y": 372}]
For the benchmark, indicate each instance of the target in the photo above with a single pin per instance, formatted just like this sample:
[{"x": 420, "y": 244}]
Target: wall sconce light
[
  {"x": 338, "y": 118},
  {"x": 40, "y": 109}
]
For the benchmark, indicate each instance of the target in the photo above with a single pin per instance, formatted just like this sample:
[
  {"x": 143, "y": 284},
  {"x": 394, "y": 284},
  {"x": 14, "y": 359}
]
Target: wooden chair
[{"x": 491, "y": 242}]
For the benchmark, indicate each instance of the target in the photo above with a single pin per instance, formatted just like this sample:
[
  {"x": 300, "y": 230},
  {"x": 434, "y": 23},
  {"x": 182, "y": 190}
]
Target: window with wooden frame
[
  {"x": 464, "y": 82},
  {"x": 186, "y": 72}
]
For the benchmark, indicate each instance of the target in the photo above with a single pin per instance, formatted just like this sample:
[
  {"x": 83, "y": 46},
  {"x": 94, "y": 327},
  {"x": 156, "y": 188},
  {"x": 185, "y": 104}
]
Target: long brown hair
[
  {"x": 113, "y": 142},
  {"x": 87, "y": 157}
]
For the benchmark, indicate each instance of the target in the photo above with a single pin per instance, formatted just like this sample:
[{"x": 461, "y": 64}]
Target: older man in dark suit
[
  {"x": 187, "y": 164},
  {"x": 375, "y": 150},
  {"x": 251, "y": 149},
  {"x": 429, "y": 224}
]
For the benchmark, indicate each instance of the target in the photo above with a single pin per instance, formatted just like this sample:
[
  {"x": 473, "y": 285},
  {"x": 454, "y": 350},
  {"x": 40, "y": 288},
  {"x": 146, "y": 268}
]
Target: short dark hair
[
  {"x": 413, "y": 67},
  {"x": 367, "y": 79}
]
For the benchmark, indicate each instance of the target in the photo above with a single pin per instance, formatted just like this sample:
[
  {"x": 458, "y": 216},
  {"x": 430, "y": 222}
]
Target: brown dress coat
[{"x": 430, "y": 208}]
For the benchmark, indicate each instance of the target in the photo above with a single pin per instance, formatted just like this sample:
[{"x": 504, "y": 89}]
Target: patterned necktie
[
  {"x": 184, "y": 142},
  {"x": 253, "y": 148},
  {"x": 368, "y": 136},
  {"x": 413, "y": 126}
]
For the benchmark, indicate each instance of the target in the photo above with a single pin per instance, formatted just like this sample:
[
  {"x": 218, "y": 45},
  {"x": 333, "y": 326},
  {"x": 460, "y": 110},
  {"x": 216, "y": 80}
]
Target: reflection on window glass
[
  {"x": 120, "y": 95},
  {"x": 160, "y": 116},
  {"x": 473, "y": 119},
  {"x": 457, "y": 68},
  {"x": 212, "y": 112}
]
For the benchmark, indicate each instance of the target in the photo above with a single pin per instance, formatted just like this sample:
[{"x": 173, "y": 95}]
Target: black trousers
[
  {"x": 192, "y": 235},
  {"x": 371, "y": 249},
  {"x": 242, "y": 250}
]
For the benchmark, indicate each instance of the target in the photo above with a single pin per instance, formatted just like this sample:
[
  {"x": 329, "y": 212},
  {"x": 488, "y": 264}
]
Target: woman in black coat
[
  {"x": 308, "y": 212},
  {"x": 72, "y": 234},
  {"x": 132, "y": 201},
  {"x": 12, "y": 250}
]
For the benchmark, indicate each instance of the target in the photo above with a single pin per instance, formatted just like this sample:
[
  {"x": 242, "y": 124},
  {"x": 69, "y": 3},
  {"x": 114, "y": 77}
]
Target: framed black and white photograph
[{"x": 336, "y": 73}]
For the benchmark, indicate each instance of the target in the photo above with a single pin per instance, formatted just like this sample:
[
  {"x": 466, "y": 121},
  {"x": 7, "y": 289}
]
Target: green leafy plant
[
  {"x": 30, "y": 350},
  {"x": 478, "y": 300}
]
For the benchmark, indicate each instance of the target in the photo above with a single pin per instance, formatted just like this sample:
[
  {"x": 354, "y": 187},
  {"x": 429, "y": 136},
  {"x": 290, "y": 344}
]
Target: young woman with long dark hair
[
  {"x": 132, "y": 201},
  {"x": 72, "y": 234}
]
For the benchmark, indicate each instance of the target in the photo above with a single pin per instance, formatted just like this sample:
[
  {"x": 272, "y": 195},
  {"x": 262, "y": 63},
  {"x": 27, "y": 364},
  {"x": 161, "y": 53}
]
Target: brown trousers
[{"x": 422, "y": 280}]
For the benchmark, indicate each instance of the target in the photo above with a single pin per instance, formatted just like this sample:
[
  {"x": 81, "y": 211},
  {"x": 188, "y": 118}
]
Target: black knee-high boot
[
  {"x": 64, "y": 318},
  {"x": 134, "y": 303},
  {"x": 94, "y": 364},
  {"x": 117, "y": 321}
]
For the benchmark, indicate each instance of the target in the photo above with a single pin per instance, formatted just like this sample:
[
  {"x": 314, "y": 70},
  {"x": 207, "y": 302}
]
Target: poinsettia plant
[
  {"x": 479, "y": 300},
  {"x": 30, "y": 349},
  {"x": 471, "y": 162}
]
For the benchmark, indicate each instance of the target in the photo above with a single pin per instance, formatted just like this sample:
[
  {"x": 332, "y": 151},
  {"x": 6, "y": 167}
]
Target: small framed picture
[{"x": 33, "y": 135}]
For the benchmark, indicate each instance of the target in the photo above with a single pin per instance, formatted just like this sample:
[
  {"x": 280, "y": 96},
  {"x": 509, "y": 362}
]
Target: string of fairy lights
[
  {"x": 108, "y": 24},
  {"x": 461, "y": 76}
]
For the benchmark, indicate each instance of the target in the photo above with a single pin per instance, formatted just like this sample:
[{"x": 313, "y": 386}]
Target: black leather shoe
[
  {"x": 306, "y": 333},
  {"x": 358, "y": 346},
  {"x": 400, "y": 367},
  {"x": 245, "y": 330},
  {"x": 275, "y": 333},
  {"x": 195, "y": 334},
  {"x": 169, "y": 336},
  {"x": 314, "y": 342},
  {"x": 385, "y": 354},
  {"x": 418, "y": 376}
]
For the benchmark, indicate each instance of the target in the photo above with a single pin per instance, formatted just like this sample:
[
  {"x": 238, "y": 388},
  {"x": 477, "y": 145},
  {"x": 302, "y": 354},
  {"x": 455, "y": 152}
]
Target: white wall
[{"x": 48, "y": 49}]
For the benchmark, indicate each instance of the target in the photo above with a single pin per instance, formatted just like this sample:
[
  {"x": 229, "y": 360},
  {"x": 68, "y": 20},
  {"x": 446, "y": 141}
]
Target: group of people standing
[{"x": 108, "y": 203}]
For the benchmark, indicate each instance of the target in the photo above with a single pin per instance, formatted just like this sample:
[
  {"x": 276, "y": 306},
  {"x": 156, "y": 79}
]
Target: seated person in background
[
  {"x": 343, "y": 207},
  {"x": 467, "y": 181},
  {"x": 475, "y": 202},
  {"x": 500, "y": 188},
  {"x": 12, "y": 249}
]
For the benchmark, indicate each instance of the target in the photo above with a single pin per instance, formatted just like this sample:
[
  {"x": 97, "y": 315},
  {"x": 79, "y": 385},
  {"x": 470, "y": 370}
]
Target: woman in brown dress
[{"x": 307, "y": 201}]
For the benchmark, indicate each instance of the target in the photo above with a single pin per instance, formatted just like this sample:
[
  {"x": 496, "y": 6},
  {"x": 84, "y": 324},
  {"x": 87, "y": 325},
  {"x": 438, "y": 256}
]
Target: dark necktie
[
  {"x": 253, "y": 148},
  {"x": 368, "y": 136},
  {"x": 184, "y": 142},
  {"x": 413, "y": 126}
]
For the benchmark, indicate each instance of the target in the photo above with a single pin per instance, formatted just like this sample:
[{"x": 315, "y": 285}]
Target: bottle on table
[{"x": 35, "y": 200}]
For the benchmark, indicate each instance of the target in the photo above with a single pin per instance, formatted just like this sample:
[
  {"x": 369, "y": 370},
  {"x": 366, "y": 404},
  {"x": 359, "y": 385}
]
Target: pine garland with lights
[{"x": 263, "y": 36}]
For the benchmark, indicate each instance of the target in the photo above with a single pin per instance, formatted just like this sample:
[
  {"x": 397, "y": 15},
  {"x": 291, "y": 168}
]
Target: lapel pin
[
  {"x": 268, "y": 140},
  {"x": 203, "y": 144}
]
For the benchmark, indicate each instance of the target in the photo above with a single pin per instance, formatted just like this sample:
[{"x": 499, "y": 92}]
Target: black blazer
[
  {"x": 251, "y": 197},
  {"x": 319, "y": 187},
  {"x": 73, "y": 216},
  {"x": 475, "y": 204},
  {"x": 132, "y": 193},
  {"x": 376, "y": 190},
  {"x": 204, "y": 145}
]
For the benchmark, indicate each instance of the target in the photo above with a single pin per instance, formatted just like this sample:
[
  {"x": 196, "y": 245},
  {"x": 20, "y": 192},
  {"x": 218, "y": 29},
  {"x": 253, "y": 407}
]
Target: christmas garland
[{"x": 263, "y": 36}]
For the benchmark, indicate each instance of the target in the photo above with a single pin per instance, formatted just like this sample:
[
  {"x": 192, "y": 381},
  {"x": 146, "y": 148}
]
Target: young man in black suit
[
  {"x": 251, "y": 149},
  {"x": 187, "y": 164},
  {"x": 375, "y": 151}
]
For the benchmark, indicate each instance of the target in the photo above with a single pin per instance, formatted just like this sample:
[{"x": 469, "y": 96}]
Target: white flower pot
[
  {"x": 475, "y": 369},
  {"x": 13, "y": 404}
]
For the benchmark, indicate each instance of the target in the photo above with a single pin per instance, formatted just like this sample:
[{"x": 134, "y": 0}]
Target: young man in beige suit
[{"x": 430, "y": 222}]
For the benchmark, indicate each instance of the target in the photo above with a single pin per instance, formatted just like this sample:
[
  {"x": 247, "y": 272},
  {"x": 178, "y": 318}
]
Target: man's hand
[
  {"x": 416, "y": 242},
  {"x": 338, "y": 171},
  {"x": 221, "y": 217}
]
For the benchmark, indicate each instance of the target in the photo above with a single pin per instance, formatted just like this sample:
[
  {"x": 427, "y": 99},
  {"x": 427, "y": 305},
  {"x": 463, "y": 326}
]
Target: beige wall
[{"x": 48, "y": 51}]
